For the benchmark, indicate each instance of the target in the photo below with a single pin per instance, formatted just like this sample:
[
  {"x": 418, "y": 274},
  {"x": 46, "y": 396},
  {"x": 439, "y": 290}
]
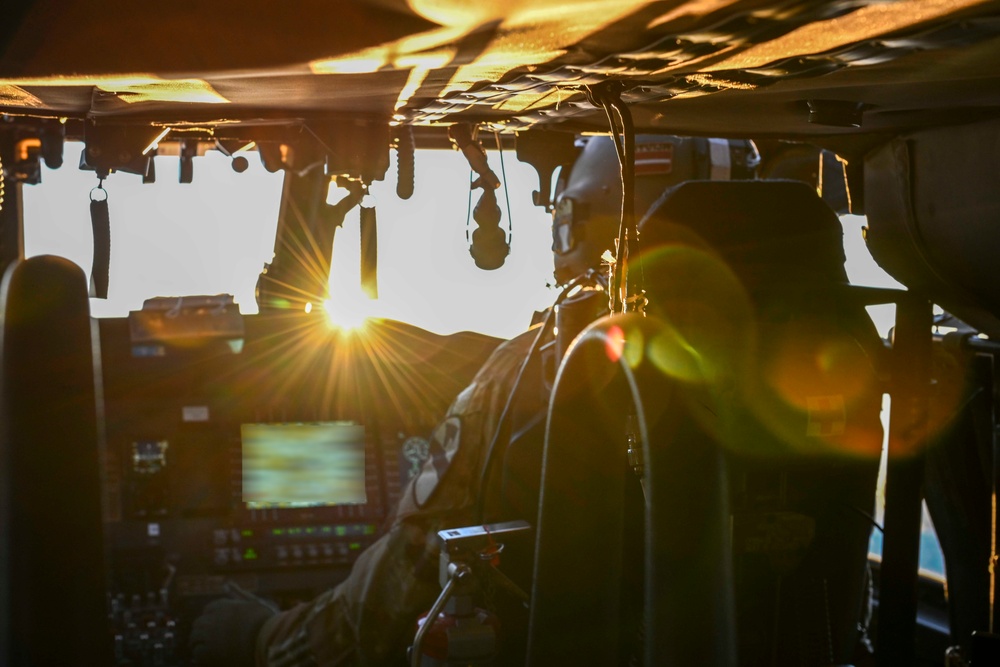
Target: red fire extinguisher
[
  {"x": 456, "y": 633},
  {"x": 457, "y": 639}
]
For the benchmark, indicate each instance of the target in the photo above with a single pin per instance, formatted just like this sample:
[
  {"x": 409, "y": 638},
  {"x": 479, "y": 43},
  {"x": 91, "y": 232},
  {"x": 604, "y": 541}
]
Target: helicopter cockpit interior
[{"x": 254, "y": 255}]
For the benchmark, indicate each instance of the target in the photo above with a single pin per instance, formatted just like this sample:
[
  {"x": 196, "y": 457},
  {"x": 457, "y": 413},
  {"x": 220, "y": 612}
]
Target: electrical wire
[
  {"x": 468, "y": 207},
  {"x": 628, "y": 222},
  {"x": 506, "y": 189},
  {"x": 875, "y": 524},
  {"x": 601, "y": 97},
  {"x": 623, "y": 134},
  {"x": 635, "y": 299}
]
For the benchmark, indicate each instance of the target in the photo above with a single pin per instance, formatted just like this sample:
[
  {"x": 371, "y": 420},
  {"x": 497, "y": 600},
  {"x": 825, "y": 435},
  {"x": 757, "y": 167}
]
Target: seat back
[
  {"x": 753, "y": 348},
  {"x": 801, "y": 423},
  {"x": 768, "y": 232},
  {"x": 52, "y": 569},
  {"x": 627, "y": 574}
]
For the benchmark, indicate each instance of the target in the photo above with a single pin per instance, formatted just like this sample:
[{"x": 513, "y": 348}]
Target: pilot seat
[{"x": 709, "y": 469}]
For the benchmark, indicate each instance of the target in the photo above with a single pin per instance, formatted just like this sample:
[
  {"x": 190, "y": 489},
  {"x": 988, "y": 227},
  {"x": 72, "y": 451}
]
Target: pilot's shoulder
[
  {"x": 498, "y": 374},
  {"x": 513, "y": 350}
]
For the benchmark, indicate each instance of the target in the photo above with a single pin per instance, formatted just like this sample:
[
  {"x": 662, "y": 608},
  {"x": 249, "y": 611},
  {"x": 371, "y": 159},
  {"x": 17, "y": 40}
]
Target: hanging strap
[
  {"x": 369, "y": 252},
  {"x": 100, "y": 221}
]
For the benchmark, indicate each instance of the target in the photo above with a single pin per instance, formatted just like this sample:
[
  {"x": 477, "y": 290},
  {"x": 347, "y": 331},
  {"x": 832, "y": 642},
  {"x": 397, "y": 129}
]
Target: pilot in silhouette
[{"x": 370, "y": 618}]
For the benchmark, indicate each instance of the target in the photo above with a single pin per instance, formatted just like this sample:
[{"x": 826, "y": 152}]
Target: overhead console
[{"x": 265, "y": 452}]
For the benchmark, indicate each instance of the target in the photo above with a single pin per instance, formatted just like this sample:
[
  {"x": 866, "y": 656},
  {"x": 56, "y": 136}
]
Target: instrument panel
[{"x": 261, "y": 461}]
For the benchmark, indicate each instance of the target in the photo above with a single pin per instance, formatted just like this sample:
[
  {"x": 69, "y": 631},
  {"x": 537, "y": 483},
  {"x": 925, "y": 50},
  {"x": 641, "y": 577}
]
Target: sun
[{"x": 348, "y": 311}]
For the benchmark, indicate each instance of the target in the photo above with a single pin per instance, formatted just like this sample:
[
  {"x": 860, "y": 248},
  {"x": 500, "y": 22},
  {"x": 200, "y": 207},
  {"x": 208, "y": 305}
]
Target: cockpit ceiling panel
[
  {"x": 60, "y": 38},
  {"x": 704, "y": 66}
]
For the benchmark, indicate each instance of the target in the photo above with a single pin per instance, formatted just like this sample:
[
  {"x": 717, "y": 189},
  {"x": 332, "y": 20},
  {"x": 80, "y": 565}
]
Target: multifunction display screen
[{"x": 294, "y": 465}]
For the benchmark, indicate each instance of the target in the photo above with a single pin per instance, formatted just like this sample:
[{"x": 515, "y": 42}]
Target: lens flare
[
  {"x": 614, "y": 344},
  {"x": 801, "y": 360},
  {"x": 814, "y": 389},
  {"x": 674, "y": 356},
  {"x": 708, "y": 329},
  {"x": 347, "y": 313},
  {"x": 765, "y": 385},
  {"x": 628, "y": 343}
]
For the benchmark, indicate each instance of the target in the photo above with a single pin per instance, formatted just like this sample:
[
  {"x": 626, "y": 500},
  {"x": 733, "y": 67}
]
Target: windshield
[
  {"x": 213, "y": 236},
  {"x": 167, "y": 238}
]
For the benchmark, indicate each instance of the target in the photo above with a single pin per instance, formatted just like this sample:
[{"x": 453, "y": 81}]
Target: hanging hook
[{"x": 98, "y": 193}]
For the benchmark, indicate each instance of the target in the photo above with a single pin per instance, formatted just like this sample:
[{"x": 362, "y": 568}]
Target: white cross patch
[{"x": 443, "y": 445}]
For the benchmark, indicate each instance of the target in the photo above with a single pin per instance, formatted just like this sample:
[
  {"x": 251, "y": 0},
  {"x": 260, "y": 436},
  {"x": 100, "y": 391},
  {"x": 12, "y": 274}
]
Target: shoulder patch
[
  {"x": 441, "y": 450},
  {"x": 413, "y": 454}
]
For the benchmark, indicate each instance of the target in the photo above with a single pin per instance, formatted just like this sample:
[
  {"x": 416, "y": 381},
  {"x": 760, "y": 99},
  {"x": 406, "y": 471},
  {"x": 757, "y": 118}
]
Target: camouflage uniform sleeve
[{"x": 370, "y": 618}]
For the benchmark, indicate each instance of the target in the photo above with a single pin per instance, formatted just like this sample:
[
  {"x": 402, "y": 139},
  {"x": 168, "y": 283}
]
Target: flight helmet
[{"x": 587, "y": 211}]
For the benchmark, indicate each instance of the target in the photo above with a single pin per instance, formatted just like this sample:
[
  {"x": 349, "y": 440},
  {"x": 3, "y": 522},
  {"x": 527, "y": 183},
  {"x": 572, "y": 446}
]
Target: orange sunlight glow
[
  {"x": 132, "y": 88},
  {"x": 520, "y": 34},
  {"x": 865, "y": 23},
  {"x": 348, "y": 312}
]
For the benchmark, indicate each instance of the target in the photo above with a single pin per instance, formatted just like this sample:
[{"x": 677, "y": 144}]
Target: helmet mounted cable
[
  {"x": 624, "y": 296},
  {"x": 506, "y": 189}
]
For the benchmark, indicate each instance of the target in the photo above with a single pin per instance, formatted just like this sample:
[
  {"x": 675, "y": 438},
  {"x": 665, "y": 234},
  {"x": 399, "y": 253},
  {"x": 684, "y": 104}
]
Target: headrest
[{"x": 769, "y": 232}]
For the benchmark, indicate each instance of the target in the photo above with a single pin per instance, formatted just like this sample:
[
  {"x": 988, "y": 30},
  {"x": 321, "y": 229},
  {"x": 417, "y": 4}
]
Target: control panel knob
[{"x": 159, "y": 655}]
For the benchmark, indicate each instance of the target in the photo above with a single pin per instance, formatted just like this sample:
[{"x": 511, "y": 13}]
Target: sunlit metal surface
[{"x": 514, "y": 64}]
